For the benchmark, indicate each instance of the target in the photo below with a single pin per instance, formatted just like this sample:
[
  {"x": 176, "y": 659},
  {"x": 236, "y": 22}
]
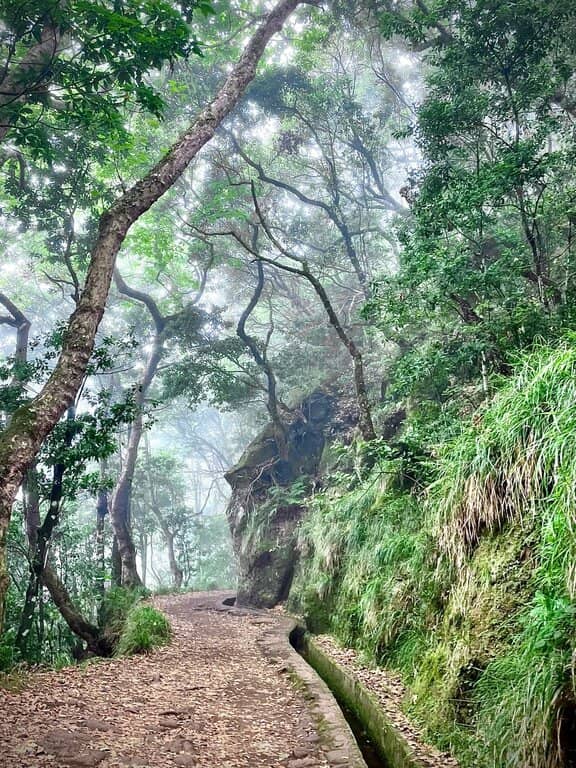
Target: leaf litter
[{"x": 208, "y": 700}]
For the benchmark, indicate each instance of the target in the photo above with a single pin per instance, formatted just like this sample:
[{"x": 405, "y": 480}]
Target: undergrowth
[
  {"x": 146, "y": 628},
  {"x": 132, "y": 625},
  {"x": 115, "y": 609},
  {"x": 465, "y": 581}
]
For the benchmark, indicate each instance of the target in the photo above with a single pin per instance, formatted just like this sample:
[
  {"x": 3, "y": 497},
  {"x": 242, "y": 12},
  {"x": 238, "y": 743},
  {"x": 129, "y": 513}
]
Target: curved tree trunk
[
  {"x": 39, "y": 542},
  {"x": 120, "y": 510},
  {"x": 91, "y": 634},
  {"x": 262, "y": 361},
  {"x": 365, "y": 422},
  {"x": 32, "y": 423}
]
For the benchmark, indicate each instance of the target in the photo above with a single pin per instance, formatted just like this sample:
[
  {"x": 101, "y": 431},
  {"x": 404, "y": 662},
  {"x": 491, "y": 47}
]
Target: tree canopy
[{"x": 322, "y": 253}]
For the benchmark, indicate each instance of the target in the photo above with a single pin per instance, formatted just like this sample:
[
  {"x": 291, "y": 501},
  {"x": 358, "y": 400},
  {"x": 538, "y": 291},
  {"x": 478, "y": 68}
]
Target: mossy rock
[{"x": 264, "y": 538}]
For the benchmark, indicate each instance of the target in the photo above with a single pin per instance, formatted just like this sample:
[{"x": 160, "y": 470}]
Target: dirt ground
[{"x": 209, "y": 700}]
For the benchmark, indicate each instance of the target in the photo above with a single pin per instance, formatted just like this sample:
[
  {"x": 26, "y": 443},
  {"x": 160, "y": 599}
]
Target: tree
[
  {"x": 486, "y": 266},
  {"x": 72, "y": 64},
  {"x": 33, "y": 422},
  {"x": 121, "y": 497}
]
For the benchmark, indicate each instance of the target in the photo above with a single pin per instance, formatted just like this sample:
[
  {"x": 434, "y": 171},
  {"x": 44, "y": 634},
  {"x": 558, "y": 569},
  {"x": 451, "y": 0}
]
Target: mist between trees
[{"x": 308, "y": 246}]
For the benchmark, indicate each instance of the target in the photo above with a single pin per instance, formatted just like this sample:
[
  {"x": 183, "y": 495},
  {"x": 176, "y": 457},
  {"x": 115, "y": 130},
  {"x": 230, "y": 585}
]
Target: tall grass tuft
[
  {"x": 517, "y": 466},
  {"x": 115, "y": 609},
  {"x": 520, "y": 454},
  {"x": 146, "y": 628}
]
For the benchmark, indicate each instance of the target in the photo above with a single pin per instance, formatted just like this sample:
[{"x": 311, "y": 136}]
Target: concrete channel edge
[
  {"x": 324, "y": 681},
  {"x": 340, "y": 747}
]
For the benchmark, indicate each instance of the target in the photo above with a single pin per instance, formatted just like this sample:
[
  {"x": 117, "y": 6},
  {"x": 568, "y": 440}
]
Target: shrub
[
  {"x": 145, "y": 629},
  {"x": 115, "y": 608}
]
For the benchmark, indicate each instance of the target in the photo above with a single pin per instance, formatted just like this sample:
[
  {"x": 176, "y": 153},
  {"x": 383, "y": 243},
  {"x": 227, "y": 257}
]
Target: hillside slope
[{"x": 456, "y": 567}]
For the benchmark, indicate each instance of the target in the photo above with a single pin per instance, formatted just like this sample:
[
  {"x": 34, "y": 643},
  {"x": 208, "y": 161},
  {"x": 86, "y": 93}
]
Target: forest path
[{"x": 210, "y": 700}]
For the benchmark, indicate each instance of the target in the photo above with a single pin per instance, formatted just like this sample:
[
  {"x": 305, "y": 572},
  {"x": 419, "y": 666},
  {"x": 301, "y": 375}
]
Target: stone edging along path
[
  {"x": 374, "y": 697},
  {"x": 376, "y": 705},
  {"x": 339, "y": 745}
]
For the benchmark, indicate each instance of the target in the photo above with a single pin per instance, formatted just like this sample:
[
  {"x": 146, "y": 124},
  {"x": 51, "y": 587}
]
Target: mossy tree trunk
[{"x": 95, "y": 639}]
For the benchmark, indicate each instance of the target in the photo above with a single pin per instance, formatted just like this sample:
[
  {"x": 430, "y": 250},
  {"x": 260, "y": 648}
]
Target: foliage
[
  {"x": 81, "y": 438},
  {"x": 367, "y": 562},
  {"x": 209, "y": 558},
  {"x": 115, "y": 609},
  {"x": 110, "y": 49},
  {"x": 146, "y": 628},
  {"x": 517, "y": 457},
  {"x": 518, "y": 465},
  {"x": 51, "y": 641},
  {"x": 468, "y": 588},
  {"x": 485, "y": 267},
  {"x": 217, "y": 372},
  {"x": 445, "y": 548}
]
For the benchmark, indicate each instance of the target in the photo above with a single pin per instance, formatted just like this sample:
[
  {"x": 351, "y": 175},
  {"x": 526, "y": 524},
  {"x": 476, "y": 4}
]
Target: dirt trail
[{"x": 209, "y": 700}]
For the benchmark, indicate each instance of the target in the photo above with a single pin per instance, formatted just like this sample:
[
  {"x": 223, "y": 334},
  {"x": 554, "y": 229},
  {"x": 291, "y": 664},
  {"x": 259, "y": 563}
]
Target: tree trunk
[
  {"x": 116, "y": 563},
  {"x": 175, "y": 570},
  {"x": 31, "y": 505},
  {"x": 32, "y": 423},
  {"x": 101, "y": 512},
  {"x": 122, "y": 496},
  {"x": 39, "y": 542},
  {"x": 29, "y": 76},
  {"x": 263, "y": 363},
  {"x": 32, "y": 521},
  {"x": 365, "y": 422},
  {"x": 152, "y": 568},
  {"x": 167, "y": 533},
  {"x": 95, "y": 641},
  {"x": 144, "y": 556}
]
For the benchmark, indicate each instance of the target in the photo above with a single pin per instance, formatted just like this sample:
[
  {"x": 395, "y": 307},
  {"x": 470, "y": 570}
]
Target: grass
[
  {"x": 115, "y": 609},
  {"x": 518, "y": 467},
  {"x": 521, "y": 453},
  {"x": 16, "y": 680},
  {"x": 163, "y": 590},
  {"x": 365, "y": 560},
  {"x": 469, "y": 587},
  {"x": 146, "y": 628}
]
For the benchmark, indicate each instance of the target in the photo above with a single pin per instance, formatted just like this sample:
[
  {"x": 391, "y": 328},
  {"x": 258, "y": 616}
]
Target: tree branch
[
  {"x": 32, "y": 422},
  {"x": 143, "y": 298}
]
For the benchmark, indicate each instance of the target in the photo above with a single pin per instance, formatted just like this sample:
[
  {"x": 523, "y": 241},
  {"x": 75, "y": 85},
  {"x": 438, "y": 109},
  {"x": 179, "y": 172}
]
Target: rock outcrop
[{"x": 264, "y": 511}]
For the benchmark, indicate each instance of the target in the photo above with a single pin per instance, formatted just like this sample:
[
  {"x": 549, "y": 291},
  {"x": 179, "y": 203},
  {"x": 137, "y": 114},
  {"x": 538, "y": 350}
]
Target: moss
[
  {"x": 115, "y": 609},
  {"x": 390, "y": 596}
]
